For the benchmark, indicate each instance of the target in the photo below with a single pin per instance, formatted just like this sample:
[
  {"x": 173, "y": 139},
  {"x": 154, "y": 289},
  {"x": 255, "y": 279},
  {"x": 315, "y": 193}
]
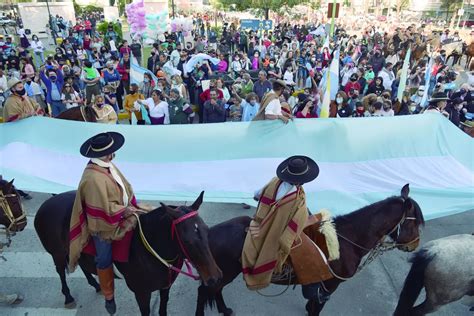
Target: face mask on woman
[{"x": 339, "y": 100}]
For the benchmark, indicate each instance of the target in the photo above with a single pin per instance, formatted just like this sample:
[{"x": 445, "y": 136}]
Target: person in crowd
[
  {"x": 214, "y": 110},
  {"x": 105, "y": 113},
  {"x": 53, "y": 80},
  {"x": 179, "y": 110},
  {"x": 91, "y": 78},
  {"x": 271, "y": 106},
  {"x": 69, "y": 97},
  {"x": 157, "y": 108},
  {"x": 129, "y": 104},
  {"x": 262, "y": 86},
  {"x": 18, "y": 105}
]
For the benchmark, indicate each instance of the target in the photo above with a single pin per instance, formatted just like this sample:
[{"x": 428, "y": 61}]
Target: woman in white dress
[{"x": 157, "y": 108}]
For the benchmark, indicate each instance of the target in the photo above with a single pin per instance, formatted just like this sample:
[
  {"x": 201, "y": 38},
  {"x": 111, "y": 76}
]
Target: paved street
[{"x": 30, "y": 271}]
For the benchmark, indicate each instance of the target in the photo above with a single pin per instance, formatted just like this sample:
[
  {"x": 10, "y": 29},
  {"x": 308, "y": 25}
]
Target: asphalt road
[{"x": 374, "y": 291}]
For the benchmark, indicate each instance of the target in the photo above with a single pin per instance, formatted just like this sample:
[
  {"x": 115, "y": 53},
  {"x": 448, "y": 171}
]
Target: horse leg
[
  {"x": 164, "y": 298},
  {"x": 313, "y": 307},
  {"x": 221, "y": 307},
  {"x": 90, "y": 279},
  {"x": 143, "y": 300},
  {"x": 60, "y": 264}
]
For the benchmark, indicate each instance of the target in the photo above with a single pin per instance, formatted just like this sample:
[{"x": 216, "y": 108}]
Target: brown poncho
[
  {"x": 279, "y": 224},
  {"x": 98, "y": 210}
]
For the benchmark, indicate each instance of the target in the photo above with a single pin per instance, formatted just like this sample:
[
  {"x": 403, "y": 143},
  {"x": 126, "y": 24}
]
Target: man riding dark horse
[
  {"x": 278, "y": 225},
  {"x": 102, "y": 209}
]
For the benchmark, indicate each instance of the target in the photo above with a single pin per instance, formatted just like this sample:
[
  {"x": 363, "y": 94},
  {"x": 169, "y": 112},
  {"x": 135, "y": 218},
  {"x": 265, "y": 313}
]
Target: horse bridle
[
  {"x": 14, "y": 221},
  {"x": 174, "y": 232},
  {"x": 380, "y": 247}
]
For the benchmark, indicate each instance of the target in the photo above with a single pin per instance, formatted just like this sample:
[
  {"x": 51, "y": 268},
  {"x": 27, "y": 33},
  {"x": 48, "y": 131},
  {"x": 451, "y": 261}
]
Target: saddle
[{"x": 309, "y": 258}]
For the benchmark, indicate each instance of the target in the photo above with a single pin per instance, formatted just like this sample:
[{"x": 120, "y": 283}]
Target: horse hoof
[
  {"x": 228, "y": 312},
  {"x": 70, "y": 305}
]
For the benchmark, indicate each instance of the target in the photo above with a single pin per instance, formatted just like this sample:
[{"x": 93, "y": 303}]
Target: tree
[
  {"x": 402, "y": 5},
  {"x": 450, "y": 5},
  {"x": 265, "y": 5}
]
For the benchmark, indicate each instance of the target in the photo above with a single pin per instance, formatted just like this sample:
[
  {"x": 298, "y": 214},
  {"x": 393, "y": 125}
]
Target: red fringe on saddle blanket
[{"x": 120, "y": 248}]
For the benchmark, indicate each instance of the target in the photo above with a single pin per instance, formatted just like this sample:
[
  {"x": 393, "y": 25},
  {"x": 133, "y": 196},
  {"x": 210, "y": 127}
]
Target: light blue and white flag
[
  {"x": 232, "y": 160},
  {"x": 331, "y": 86},
  {"x": 404, "y": 76},
  {"x": 137, "y": 72},
  {"x": 429, "y": 67}
]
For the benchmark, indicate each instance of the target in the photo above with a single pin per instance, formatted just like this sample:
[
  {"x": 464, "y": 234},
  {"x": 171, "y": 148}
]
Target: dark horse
[
  {"x": 83, "y": 113},
  {"x": 396, "y": 218},
  {"x": 143, "y": 273},
  {"x": 13, "y": 218}
]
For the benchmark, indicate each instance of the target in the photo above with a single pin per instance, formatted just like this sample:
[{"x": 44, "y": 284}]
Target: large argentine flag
[
  {"x": 331, "y": 85},
  {"x": 361, "y": 160}
]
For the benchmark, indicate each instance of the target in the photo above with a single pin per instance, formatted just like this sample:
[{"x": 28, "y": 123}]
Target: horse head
[
  {"x": 90, "y": 114},
  {"x": 406, "y": 234},
  {"x": 12, "y": 215},
  {"x": 191, "y": 233}
]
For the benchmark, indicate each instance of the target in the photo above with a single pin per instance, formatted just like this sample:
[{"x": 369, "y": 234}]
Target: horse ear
[
  {"x": 198, "y": 202},
  {"x": 172, "y": 213},
  {"x": 405, "y": 191},
  {"x": 8, "y": 187}
]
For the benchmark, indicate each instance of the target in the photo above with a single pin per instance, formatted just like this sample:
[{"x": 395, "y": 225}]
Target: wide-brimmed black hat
[
  {"x": 102, "y": 144},
  {"x": 298, "y": 170},
  {"x": 438, "y": 96}
]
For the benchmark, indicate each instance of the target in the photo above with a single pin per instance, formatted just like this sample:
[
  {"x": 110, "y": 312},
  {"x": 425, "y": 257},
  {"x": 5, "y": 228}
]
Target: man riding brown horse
[
  {"x": 102, "y": 209},
  {"x": 278, "y": 225}
]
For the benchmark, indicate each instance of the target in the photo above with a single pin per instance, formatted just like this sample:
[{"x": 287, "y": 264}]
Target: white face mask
[
  {"x": 412, "y": 109},
  {"x": 339, "y": 100},
  {"x": 420, "y": 93}
]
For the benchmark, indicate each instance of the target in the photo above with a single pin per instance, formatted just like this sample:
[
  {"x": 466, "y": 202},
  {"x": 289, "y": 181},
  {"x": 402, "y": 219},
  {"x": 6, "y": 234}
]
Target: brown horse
[
  {"x": 396, "y": 219},
  {"x": 174, "y": 233},
  {"x": 469, "y": 52},
  {"x": 83, "y": 113},
  {"x": 13, "y": 218}
]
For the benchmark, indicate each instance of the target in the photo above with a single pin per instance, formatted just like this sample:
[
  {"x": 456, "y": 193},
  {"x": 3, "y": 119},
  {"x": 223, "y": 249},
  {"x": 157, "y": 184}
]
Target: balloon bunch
[
  {"x": 181, "y": 25},
  {"x": 157, "y": 24},
  {"x": 136, "y": 17}
]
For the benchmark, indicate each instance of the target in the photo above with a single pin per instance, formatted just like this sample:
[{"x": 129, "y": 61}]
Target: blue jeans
[
  {"x": 39, "y": 56},
  {"x": 57, "y": 107},
  {"x": 103, "y": 257}
]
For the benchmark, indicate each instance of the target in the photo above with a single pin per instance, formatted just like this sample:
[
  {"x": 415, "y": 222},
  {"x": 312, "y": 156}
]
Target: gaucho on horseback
[
  {"x": 102, "y": 209},
  {"x": 277, "y": 227}
]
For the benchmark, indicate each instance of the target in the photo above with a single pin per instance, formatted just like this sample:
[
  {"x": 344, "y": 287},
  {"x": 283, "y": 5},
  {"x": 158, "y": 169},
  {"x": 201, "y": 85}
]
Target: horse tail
[{"x": 414, "y": 282}]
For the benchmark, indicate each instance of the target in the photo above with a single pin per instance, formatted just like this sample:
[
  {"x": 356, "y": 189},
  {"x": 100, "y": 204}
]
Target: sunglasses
[{"x": 68, "y": 86}]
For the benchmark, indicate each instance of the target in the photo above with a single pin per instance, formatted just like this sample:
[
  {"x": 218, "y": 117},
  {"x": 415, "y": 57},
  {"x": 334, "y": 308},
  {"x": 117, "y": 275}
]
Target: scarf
[{"x": 115, "y": 175}]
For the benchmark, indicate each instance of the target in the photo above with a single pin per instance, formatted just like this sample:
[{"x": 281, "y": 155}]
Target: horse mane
[
  {"x": 90, "y": 114},
  {"x": 372, "y": 209}
]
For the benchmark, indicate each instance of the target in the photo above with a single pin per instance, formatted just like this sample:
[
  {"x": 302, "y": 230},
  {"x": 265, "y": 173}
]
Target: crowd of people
[{"x": 228, "y": 74}]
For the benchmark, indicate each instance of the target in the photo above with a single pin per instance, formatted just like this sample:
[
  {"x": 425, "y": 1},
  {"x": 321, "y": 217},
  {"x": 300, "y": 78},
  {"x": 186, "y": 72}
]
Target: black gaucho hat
[
  {"x": 298, "y": 170},
  {"x": 102, "y": 144}
]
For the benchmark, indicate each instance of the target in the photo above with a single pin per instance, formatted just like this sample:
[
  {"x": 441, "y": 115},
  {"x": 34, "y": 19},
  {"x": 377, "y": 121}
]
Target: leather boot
[{"x": 106, "y": 281}]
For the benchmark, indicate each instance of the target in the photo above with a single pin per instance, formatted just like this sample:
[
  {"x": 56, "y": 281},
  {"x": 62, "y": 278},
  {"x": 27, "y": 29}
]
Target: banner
[
  {"x": 331, "y": 80},
  {"x": 361, "y": 160},
  {"x": 404, "y": 76}
]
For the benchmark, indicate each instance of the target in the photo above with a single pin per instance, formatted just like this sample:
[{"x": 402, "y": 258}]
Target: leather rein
[{"x": 174, "y": 232}]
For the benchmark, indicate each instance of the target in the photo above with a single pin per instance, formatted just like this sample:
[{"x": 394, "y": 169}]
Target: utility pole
[
  {"x": 333, "y": 17},
  {"x": 172, "y": 8},
  {"x": 51, "y": 23}
]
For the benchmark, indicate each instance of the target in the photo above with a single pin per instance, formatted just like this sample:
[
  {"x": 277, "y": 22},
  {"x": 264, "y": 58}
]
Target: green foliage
[
  {"x": 121, "y": 6},
  {"x": 102, "y": 29},
  {"x": 88, "y": 9},
  {"x": 111, "y": 3},
  {"x": 272, "y": 5}
]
